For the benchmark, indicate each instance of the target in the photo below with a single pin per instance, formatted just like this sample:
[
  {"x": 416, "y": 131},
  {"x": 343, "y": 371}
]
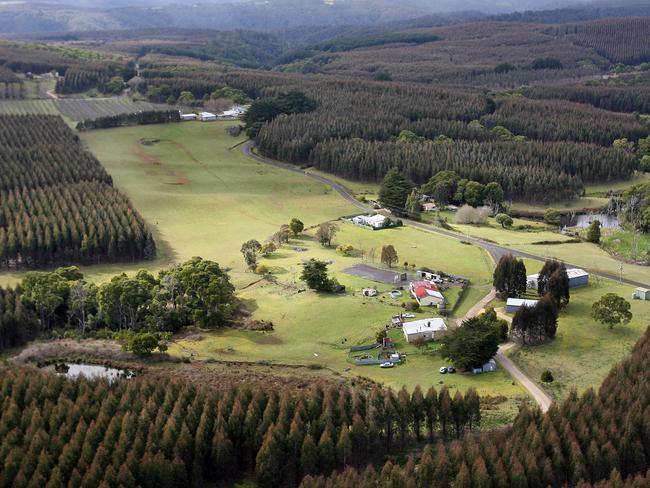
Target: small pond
[
  {"x": 607, "y": 221},
  {"x": 91, "y": 371}
]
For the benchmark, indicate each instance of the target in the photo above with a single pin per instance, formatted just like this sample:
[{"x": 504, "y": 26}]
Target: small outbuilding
[
  {"x": 186, "y": 117},
  {"x": 428, "y": 276},
  {"x": 207, "y": 116},
  {"x": 428, "y": 329},
  {"x": 641, "y": 294},
  {"x": 514, "y": 304},
  {"x": 577, "y": 278},
  {"x": 489, "y": 367},
  {"x": 369, "y": 292}
]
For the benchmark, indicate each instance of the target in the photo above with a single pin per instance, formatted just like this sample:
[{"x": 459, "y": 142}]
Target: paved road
[{"x": 494, "y": 250}]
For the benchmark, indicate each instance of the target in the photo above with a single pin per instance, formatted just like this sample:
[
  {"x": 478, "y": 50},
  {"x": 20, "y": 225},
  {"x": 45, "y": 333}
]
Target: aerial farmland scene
[{"x": 306, "y": 243}]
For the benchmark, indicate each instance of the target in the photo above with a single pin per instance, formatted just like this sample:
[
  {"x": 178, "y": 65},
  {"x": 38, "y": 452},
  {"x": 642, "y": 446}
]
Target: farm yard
[
  {"x": 201, "y": 198},
  {"x": 584, "y": 351}
]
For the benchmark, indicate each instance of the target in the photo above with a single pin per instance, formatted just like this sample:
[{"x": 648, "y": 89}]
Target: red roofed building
[{"x": 427, "y": 294}]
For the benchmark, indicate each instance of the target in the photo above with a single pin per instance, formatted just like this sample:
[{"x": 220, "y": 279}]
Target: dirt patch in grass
[{"x": 148, "y": 158}]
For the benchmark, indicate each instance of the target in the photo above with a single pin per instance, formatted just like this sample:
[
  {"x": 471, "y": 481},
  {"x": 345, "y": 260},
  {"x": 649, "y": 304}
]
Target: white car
[
  {"x": 408, "y": 315},
  {"x": 387, "y": 364}
]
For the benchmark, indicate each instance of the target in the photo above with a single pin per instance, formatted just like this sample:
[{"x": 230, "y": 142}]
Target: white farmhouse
[
  {"x": 427, "y": 329},
  {"x": 376, "y": 221}
]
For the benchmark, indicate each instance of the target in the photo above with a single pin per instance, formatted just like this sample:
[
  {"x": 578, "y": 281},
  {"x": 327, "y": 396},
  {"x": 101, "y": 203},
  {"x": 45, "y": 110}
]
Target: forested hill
[{"x": 55, "y": 432}]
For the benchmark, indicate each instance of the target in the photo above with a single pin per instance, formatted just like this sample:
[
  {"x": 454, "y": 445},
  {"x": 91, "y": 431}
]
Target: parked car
[
  {"x": 443, "y": 370},
  {"x": 387, "y": 364},
  {"x": 395, "y": 294},
  {"x": 451, "y": 369},
  {"x": 408, "y": 315}
]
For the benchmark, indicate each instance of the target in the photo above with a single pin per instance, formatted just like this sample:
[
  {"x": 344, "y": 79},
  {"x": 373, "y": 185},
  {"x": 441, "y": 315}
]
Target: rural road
[
  {"x": 494, "y": 250},
  {"x": 543, "y": 400}
]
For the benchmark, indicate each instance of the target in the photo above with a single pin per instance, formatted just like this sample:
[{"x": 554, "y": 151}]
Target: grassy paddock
[{"x": 584, "y": 351}]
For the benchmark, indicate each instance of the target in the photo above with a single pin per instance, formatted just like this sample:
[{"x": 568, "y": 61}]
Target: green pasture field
[
  {"x": 584, "y": 351},
  {"x": 203, "y": 199}
]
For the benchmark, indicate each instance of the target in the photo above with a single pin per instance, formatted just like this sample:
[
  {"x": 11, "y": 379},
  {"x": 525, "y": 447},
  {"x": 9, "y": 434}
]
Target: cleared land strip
[{"x": 495, "y": 250}]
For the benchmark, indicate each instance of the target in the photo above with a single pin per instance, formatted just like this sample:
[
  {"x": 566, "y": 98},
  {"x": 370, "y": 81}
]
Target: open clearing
[
  {"x": 584, "y": 351},
  {"x": 202, "y": 199}
]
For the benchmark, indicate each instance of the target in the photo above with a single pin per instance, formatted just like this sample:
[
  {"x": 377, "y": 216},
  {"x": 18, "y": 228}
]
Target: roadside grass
[
  {"x": 589, "y": 256},
  {"x": 627, "y": 245},
  {"x": 584, "y": 351}
]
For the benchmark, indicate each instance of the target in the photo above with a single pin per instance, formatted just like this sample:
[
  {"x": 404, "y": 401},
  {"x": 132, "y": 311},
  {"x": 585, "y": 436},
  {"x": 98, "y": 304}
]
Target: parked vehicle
[
  {"x": 408, "y": 315},
  {"x": 451, "y": 369},
  {"x": 387, "y": 364},
  {"x": 443, "y": 370}
]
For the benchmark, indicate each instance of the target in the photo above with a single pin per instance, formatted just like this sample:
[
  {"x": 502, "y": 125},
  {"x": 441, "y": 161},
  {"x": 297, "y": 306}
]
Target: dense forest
[
  {"x": 57, "y": 203},
  {"x": 548, "y": 120},
  {"x": 619, "y": 40},
  {"x": 530, "y": 171},
  {"x": 11, "y": 87},
  {"x": 56, "y": 432},
  {"x": 633, "y": 97},
  {"x": 552, "y": 149}
]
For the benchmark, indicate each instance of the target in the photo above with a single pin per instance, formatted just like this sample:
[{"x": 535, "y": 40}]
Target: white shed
[{"x": 207, "y": 116}]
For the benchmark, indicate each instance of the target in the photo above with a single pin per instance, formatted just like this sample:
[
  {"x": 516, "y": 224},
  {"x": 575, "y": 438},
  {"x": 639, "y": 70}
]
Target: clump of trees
[
  {"x": 553, "y": 280},
  {"x": 509, "y": 277},
  {"x": 593, "y": 232},
  {"x": 314, "y": 273},
  {"x": 536, "y": 324},
  {"x": 475, "y": 342},
  {"x": 265, "y": 109},
  {"x": 195, "y": 292},
  {"x": 448, "y": 187},
  {"x": 636, "y": 204},
  {"x": 394, "y": 192}
]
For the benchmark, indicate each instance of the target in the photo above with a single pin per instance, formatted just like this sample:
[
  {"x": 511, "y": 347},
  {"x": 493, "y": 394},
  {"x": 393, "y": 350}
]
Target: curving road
[
  {"x": 495, "y": 250},
  {"x": 543, "y": 400}
]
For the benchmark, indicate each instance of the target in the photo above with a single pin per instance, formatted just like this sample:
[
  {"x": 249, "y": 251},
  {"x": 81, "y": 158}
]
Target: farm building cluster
[
  {"x": 577, "y": 278},
  {"x": 234, "y": 113}
]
